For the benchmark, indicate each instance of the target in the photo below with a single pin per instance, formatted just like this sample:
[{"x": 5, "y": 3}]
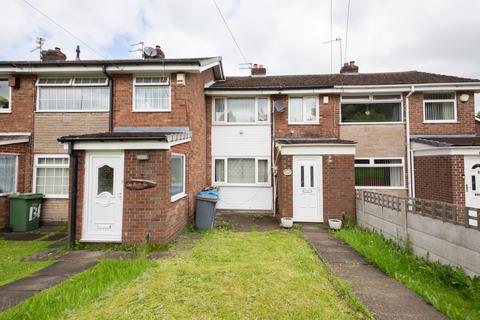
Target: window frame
[
  {"x": 225, "y": 183},
  {"x": 71, "y": 84},
  {"x": 134, "y": 85},
  {"x": 305, "y": 122},
  {"x": 225, "y": 111},
  {"x": 16, "y": 155},
  {"x": 36, "y": 166},
  {"x": 182, "y": 194},
  {"x": 371, "y": 100},
  {"x": 454, "y": 100},
  {"x": 383, "y": 165},
  {"x": 9, "y": 110}
]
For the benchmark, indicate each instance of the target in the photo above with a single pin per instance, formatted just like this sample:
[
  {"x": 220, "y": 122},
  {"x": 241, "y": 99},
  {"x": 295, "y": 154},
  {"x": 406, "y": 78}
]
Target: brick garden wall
[
  {"x": 338, "y": 186},
  {"x": 440, "y": 178}
]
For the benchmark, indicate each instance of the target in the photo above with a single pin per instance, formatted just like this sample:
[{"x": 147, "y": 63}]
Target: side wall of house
[
  {"x": 22, "y": 151},
  {"x": 440, "y": 178}
]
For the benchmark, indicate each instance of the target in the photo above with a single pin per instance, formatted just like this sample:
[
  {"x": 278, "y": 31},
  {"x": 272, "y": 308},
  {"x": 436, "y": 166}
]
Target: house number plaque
[
  {"x": 139, "y": 184},
  {"x": 287, "y": 172}
]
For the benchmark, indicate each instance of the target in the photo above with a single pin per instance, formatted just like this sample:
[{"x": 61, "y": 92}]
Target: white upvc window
[
  {"x": 8, "y": 173},
  {"x": 80, "y": 94},
  {"x": 373, "y": 108},
  {"x": 151, "y": 94},
  {"x": 379, "y": 173},
  {"x": 241, "y": 171},
  {"x": 303, "y": 110},
  {"x": 439, "y": 107},
  {"x": 177, "y": 176},
  {"x": 5, "y": 96},
  {"x": 51, "y": 175},
  {"x": 241, "y": 110}
]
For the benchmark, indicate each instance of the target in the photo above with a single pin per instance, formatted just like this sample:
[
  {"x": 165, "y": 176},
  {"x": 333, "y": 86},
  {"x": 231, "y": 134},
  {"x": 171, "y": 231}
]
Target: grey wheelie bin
[{"x": 206, "y": 202}]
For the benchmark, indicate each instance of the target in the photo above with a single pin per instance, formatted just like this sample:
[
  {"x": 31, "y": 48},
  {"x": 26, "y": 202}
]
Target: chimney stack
[
  {"x": 160, "y": 53},
  {"x": 349, "y": 67},
  {"x": 53, "y": 55},
  {"x": 258, "y": 70}
]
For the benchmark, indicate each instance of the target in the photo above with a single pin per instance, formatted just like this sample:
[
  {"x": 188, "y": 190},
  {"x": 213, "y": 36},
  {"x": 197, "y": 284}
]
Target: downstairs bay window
[
  {"x": 241, "y": 171},
  {"x": 8, "y": 173},
  {"x": 379, "y": 172},
  {"x": 371, "y": 108}
]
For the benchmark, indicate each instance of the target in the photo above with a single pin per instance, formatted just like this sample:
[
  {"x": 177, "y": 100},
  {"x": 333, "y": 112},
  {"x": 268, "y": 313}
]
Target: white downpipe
[
  {"x": 273, "y": 162},
  {"x": 409, "y": 156}
]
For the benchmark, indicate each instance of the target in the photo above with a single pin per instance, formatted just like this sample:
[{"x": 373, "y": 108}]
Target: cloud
[{"x": 287, "y": 36}]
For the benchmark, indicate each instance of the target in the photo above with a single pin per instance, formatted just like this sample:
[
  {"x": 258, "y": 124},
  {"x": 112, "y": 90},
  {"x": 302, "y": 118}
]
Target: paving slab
[
  {"x": 385, "y": 297},
  {"x": 70, "y": 264}
]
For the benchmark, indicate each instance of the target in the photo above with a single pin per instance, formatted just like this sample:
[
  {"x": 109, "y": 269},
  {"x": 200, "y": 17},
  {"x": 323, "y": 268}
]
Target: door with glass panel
[
  {"x": 307, "y": 189},
  {"x": 472, "y": 185},
  {"x": 104, "y": 197}
]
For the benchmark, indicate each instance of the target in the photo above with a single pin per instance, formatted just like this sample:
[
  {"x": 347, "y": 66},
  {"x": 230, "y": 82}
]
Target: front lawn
[
  {"x": 11, "y": 268},
  {"x": 449, "y": 290},
  {"x": 271, "y": 275}
]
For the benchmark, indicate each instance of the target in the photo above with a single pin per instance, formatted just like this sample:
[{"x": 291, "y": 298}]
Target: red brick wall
[
  {"x": 477, "y": 127},
  {"x": 338, "y": 186},
  {"x": 24, "y": 175},
  {"x": 465, "y": 118},
  {"x": 329, "y": 123},
  {"x": 440, "y": 178},
  {"x": 23, "y": 106}
]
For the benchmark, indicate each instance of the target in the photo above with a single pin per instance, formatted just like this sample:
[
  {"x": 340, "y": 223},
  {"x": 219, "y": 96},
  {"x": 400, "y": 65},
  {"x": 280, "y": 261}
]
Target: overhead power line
[
  {"x": 230, "y": 31},
  {"x": 346, "y": 29},
  {"x": 64, "y": 29}
]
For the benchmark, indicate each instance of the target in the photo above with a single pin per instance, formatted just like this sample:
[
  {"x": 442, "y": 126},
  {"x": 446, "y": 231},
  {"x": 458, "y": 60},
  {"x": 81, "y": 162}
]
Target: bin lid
[
  {"x": 208, "y": 193},
  {"x": 26, "y": 196}
]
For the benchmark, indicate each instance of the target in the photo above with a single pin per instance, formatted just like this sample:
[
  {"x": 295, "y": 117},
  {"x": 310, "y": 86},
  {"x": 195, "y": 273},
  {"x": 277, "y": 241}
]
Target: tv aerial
[
  {"x": 139, "y": 48},
  {"x": 39, "y": 42}
]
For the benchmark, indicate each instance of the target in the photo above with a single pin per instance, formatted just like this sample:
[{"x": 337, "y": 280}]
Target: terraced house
[{"x": 119, "y": 147}]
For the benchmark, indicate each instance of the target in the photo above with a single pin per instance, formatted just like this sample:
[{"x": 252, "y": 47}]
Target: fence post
[
  {"x": 363, "y": 206},
  {"x": 404, "y": 210}
]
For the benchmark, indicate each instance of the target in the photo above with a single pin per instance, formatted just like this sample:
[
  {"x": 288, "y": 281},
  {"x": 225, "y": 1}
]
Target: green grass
[
  {"x": 79, "y": 291},
  {"x": 448, "y": 289},
  {"x": 270, "y": 275},
  {"x": 11, "y": 268}
]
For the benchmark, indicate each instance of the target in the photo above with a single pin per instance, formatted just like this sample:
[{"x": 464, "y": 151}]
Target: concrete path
[
  {"x": 66, "y": 266},
  {"x": 383, "y": 296}
]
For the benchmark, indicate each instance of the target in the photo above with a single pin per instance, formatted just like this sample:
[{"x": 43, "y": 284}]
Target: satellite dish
[
  {"x": 279, "y": 106},
  {"x": 150, "y": 52}
]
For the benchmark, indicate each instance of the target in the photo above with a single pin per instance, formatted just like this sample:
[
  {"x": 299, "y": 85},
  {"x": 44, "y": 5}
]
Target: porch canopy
[
  {"x": 130, "y": 139},
  {"x": 314, "y": 146},
  {"x": 445, "y": 145}
]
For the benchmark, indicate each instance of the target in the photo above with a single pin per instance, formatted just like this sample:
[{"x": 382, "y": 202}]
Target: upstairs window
[
  {"x": 151, "y": 94},
  {"x": 439, "y": 107},
  {"x": 371, "y": 108},
  {"x": 73, "y": 94},
  {"x": 241, "y": 110},
  {"x": 5, "y": 96},
  {"x": 303, "y": 110},
  {"x": 379, "y": 172}
]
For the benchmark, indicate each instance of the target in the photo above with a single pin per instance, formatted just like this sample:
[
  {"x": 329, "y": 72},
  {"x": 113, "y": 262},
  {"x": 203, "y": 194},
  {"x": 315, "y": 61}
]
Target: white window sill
[
  {"x": 380, "y": 188},
  {"x": 440, "y": 121},
  {"x": 6, "y": 111},
  {"x": 55, "y": 196},
  {"x": 178, "y": 197},
  {"x": 259, "y": 185},
  {"x": 241, "y": 123},
  {"x": 169, "y": 110},
  {"x": 303, "y": 123},
  {"x": 6, "y": 194},
  {"x": 71, "y": 111}
]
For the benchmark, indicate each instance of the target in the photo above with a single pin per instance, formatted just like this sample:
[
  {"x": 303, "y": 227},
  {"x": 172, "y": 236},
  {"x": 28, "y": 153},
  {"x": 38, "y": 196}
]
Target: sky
[{"x": 288, "y": 37}]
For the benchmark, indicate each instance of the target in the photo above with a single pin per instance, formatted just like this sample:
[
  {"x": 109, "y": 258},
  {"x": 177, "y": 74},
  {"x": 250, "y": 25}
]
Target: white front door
[
  {"x": 472, "y": 184},
  {"x": 307, "y": 189},
  {"x": 103, "y": 208}
]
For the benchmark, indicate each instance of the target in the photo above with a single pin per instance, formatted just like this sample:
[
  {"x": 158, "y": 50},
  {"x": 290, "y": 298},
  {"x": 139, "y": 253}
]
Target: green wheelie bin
[{"x": 25, "y": 209}]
